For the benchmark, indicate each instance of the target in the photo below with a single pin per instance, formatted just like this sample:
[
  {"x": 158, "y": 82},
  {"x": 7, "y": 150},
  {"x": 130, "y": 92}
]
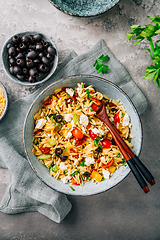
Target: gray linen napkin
[{"x": 26, "y": 192}]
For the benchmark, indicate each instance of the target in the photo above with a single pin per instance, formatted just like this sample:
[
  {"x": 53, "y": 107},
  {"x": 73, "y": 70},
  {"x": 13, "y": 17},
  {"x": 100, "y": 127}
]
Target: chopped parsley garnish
[
  {"x": 82, "y": 163},
  {"x": 123, "y": 114},
  {"x": 95, "y": 143},
  {"x": 75, "y": 173},
  {"x": 118, "y": 155},
  {"x": 87, "y": 91},
  {"x": 72, "y": 188}
]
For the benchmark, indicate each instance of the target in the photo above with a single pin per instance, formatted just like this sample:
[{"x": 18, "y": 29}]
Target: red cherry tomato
[
  {"x": 47, "y": 102},
  {"x": 81, "y": 141},
  {"x": 96, "y": 101},
  {"x": 92, "y": 135},
  {"x": 74, "y": 182},
  {"x": 45, "y": 150},
  {"x": 106, "y": 143},
  {"x": 77, "y": 133},
  {"x": 117, "y": 118},
  {"x": 94, "y": 107}
]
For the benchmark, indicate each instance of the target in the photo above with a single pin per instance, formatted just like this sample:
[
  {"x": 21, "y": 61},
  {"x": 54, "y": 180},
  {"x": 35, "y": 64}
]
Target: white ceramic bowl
[
  {"x": 6, "y": 99},
  {"x": 4, "y": 55},
  {"x": 105, "y": 87}
]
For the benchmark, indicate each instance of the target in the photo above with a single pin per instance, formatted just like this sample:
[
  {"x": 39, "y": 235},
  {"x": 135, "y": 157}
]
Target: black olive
[
  {"x": 58, "y": 151},
  {"x": 86, "y": 174},
  {"x": 114, "y": 110},
  {"x": 20, "y": 62},
  {"x": 58, "y": 118},
  {"x": 52, "y": 164},
  {"x": 12, "y": 61},
  {"x": 32, "y": 54},
  {"x": 18, "y": 50},
  {"x": 37, "y": 37},
  {"x": 40, "y": 77},
  {"x": 63, "y": 158},
  {"x": 33, "y": 72},
  {"x": 23, "y": 46},
  {"x": 42, "y": 67},
  {"x": 31, "y": 79},
  {"x": 113, "y": 142},
  {"x": 99, "y": 149},
  {"x": 39, "y": 47},
  {"x": 11, "y": 69},
  {"x": 9, "y": 45},
  {"x": 41, "y": 55},
  {"x": 45, "y": 44},
  {"x": 16, "y": 39},
  {"x": 29, "y": 63},
  {"x": 25, "y": 39},
  {"x": 31, "y": 39},
  {"x": 46, "y": 60},
  {"x": 20, "y": 77},
  {"x": 50, "y": 57},
  {"x": 51, "y": 51},
  {"x": 17, "y": 70},
  {"x": 36, "y": 62},
  {"x": 12, "y": 51},
  {"x": 25, "y": 71},
  {"x": 19, "y": 55}
]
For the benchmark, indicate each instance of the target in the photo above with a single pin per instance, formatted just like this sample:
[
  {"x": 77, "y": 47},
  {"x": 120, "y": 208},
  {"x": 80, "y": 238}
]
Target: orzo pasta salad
[{"x": 72, "y": 142}]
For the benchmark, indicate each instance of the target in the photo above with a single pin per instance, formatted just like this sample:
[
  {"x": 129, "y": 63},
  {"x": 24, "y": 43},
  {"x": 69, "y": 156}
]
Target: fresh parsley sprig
[
  {"x": 98, "y": 64},
  {"x": 149, "y": 32}
]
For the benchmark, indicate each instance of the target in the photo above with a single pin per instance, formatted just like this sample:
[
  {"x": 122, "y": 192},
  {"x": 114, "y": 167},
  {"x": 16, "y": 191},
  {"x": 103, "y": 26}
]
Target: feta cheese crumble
[
  {"x": 62, "y": 166},
  {"x": 67, "y": 117},
  {"x": 84, "y": 120},
  {"x": 70, "y": 91},
  {"x": 98, "y": 131},
  {"x": 106, "y": 173},
  {"x": 89, "y": 161},
  {"x": 69, "y": 135},
  {"x": 125, "y": 120},
  {"x": 40, "y": 123}
]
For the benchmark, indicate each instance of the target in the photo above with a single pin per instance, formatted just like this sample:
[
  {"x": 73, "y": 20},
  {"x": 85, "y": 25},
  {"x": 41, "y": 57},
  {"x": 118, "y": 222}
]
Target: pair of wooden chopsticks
[{"x": 136, "y": 166}]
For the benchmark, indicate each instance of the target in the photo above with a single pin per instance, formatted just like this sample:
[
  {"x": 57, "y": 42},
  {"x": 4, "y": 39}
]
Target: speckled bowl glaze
[
  {"x": 105, "y": 87},
  {"x": 6, "y": 104},
  {"x": 4, "y": 54},
  {"x": 84, "y": 8}
]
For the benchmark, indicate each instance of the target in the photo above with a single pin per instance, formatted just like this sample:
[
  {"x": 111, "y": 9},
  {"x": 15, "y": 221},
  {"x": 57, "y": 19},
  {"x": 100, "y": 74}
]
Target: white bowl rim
[
  {"x": 45, "y": 89},
  {"x": 6, "y": 101},
  {"x": 13, "y": 78}
]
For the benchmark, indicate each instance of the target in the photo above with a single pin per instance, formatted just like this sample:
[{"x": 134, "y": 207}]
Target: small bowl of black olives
[{"x": 29, "y": 58}]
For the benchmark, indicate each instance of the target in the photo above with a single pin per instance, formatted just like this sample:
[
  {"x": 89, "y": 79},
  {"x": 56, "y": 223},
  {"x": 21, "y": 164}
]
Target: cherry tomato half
[
  {"x": 92, "y": 135},
  {"x": 45, "y": 150},
  {"x": 47, "y": 102},
  {"x": 117, "y": 118},
  {"x": 106, "y": 143},
  {"x": 77, "y": 133}
]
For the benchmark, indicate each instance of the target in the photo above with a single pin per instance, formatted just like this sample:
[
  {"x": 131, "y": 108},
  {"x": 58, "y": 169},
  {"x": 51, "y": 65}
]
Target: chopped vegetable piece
[
  {"x": 45, "y": 150},
  {"x": 77, "y": 133},
  {"x": 95, "y": 143},
  {"x": 108, "y": 164},
  {"x": 95, "y": 175},
  {"x": 72, "y": 188},
  {"x": 112, "y": 169},
  {"x": 75, "y": 118},
  {"x": 52, "y": 142},
  {"x": 40, "y": 130},
  {"x": 58, "y": 151},
  {"x": 55, "y": 168},
  {"x": 117, "y": 118},
  {"x": 92, "y": 135},
  {"x": 82, "y": 163},
  {"x": 74, "y": 182},
  {"x": 44, "y": 156},
  {"x": 106, "y": 143},
  {"x": 47, "y": 102}
]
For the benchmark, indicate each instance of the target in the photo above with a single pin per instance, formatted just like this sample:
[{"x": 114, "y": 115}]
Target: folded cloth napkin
[{"x": 26, "y": 192}]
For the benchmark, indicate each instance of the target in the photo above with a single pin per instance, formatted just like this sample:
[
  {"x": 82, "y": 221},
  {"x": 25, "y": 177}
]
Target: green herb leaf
[
  {"x": 87, "y": 91},
  {"x": 95, "y": 143},
  {"x": 75, "y": 173},
  {"x": 72, "y": 188},
  {"x": 98, "y": 64},
  {"x": 82, "y": 163}
]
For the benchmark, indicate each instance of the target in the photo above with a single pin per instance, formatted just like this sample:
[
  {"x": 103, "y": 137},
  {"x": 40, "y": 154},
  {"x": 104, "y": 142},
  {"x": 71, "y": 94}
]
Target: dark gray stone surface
[{"x": 124, "y": 212}]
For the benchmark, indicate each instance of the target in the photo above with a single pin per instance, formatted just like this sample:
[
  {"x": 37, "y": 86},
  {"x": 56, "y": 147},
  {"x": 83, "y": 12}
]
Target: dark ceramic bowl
[
  {"x": 4, "y": 55},
  {"x": 84, "y": 8},
  {"x": 105, "y": 87}
]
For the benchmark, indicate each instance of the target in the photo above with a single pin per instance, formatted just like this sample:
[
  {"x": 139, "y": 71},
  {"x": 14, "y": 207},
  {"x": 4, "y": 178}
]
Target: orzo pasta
[
  {"x": 2, "y": 101},
  {"x": 72, "y": 142}
]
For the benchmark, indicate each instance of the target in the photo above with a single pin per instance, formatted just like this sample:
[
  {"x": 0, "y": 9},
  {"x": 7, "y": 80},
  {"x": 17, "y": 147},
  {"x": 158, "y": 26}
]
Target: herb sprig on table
[
  {"x": 149, "y": 32},
  {"x": 98, "y": 64}
]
